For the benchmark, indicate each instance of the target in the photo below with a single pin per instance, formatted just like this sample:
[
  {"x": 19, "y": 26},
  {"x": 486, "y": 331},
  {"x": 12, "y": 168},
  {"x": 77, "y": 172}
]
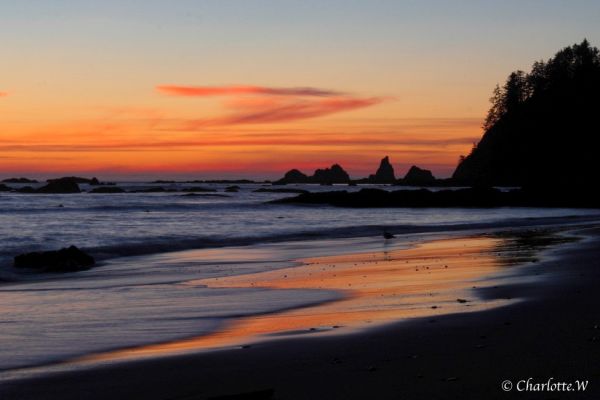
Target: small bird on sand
[{"x": 387, "y": 235}]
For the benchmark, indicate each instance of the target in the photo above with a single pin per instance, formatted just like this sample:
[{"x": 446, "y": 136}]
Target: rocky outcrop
[
  {"x": 4, "y": 188},
  {"x": 472, "y": 197},
  {"x": 232, "y": 189},
  {"x": 19, "y": 180},
  {"x": 63, "y": 185},
  {"x": 26, "y": 189},
  {"x": 418, "y": 177},
  {"x": 385, "y": 172},
  {"x": 76, "y": 179},
  {"x": 64, "y": 260},
  {"x": 335, "y": 174},
  {"x": 293, "y": 176}
]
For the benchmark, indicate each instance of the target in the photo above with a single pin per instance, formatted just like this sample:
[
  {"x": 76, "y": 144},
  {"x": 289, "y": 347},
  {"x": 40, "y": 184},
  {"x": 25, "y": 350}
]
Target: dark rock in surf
[
  {"x": 69, "y": 259},
  {"x": 26, "y": 189},
  {"x": 60, "y": 186}
]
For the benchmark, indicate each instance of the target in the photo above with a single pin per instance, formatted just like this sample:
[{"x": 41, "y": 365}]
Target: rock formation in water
[
  {"x": 76, "y": 179},
  {"x": 64, "y": 260},
  {"x": 418, "y": 177},
  {"x": 471, "y": 197},
  {"x": 293, "y": 176},
  {"x": 334, "y": 174},
  {"x": 385, "y": 172},
  {"x": 19, "y": 180},
  {"x": 63, "y": 185}
]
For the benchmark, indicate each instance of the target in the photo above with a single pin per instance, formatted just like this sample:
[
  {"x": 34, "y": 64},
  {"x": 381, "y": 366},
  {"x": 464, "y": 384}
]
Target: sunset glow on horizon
[{"x": 207, "y": 90}]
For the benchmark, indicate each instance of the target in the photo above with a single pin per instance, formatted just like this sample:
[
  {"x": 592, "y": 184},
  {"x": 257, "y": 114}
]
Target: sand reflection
[{"x": 429, "y": 279}]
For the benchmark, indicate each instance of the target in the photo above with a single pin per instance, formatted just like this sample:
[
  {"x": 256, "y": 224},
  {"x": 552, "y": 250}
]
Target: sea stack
[
  {"x": 417, "y": 176},
  {"x": 293, "y": 176},
  {"x": 385, "y": 172},
  {"x": 335, "y": 174}
]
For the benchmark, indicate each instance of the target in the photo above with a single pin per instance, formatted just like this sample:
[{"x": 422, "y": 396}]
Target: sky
[{"x": 250, "y": 89}]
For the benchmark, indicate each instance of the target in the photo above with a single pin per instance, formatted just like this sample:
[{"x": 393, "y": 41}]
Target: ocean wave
[
  {"x": 169, "y": 244},
  {"x": 109, "y": 236}
]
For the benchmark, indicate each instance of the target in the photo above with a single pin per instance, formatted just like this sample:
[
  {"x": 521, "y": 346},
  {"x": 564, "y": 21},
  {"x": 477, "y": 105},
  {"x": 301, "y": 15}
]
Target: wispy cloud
[
  {"x": 264, "y": 105},
  {"x": 206, "y": 91},
  {"x": 3, "y": 94},
  {"x": 285, "y": 111}
]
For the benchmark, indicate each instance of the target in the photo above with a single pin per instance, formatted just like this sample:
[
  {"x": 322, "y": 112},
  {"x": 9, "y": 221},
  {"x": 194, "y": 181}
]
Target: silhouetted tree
[
  {"x": 541, "y": 127},
  {"x": 496, "y": 110}
]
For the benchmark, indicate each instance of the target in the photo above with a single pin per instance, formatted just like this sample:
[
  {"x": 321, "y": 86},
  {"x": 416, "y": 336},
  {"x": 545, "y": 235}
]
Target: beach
[
  {"x": 533, "y": 313},
  {"x": 296, "y": 200}
]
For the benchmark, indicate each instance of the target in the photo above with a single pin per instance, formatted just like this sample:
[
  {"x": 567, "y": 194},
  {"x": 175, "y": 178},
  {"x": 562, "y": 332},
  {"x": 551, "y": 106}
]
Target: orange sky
[
  {"x": 130, "y": 90},
  {"x": 226, "y": 131}
]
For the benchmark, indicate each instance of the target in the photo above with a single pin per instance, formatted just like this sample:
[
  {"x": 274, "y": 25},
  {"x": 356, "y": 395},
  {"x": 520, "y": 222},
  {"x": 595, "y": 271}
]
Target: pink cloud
[
  {"x": 3, "y": 94},
  {"x": 205, "y": 91},
  {"x": 287, "y": 110},
  {"x": 263, "y": 105}
]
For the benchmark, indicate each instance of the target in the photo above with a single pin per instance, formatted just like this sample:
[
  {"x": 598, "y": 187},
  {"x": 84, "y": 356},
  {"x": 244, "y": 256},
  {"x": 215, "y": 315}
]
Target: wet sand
[
  {"x": 432, "y": 278},
  {"x": 432, "y": 354}
]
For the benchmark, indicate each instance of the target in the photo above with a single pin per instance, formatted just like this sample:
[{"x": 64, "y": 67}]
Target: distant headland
[
  {"x": 542, "y": 127},
  {"x": 541, "y": 134}
]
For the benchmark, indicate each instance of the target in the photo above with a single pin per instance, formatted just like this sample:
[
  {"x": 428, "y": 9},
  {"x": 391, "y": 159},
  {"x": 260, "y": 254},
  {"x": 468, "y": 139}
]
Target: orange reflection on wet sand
[{"x": 380, "y": 287}]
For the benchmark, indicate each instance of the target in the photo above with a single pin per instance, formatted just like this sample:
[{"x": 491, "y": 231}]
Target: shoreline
[
  {"x": 287, "y": 343},
  {"x": 374, "y": 287},
  {"x": 293, "y": 262},
  {"x": 106, "y": 254}
]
